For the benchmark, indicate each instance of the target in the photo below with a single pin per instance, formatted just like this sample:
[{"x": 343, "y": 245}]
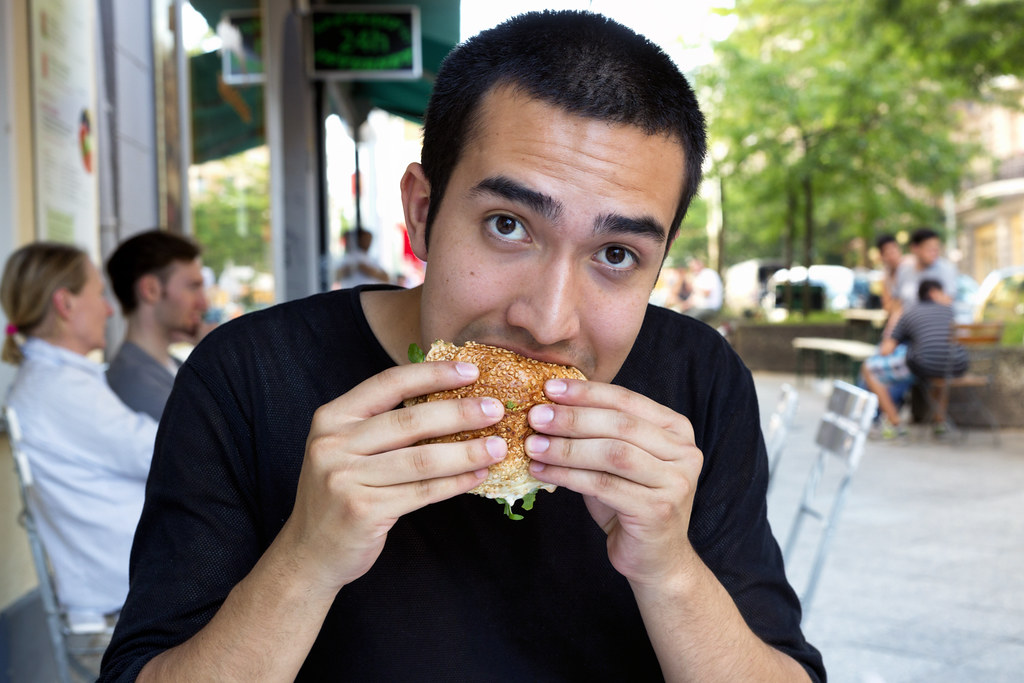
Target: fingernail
[
  {"x": 491, "y": 407},
  {"x": 536, "y": 467},
  {"x": 535, "y": 443},
  {"x": 542, "y": 415},
  {"x": 555, "y": 387},
  {"x": 467, "y": 370},
  {"x": 496, "y": 447}
]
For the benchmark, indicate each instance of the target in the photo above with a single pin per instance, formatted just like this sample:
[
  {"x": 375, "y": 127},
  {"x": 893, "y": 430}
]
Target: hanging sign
[{"x": 365, "y": 42}]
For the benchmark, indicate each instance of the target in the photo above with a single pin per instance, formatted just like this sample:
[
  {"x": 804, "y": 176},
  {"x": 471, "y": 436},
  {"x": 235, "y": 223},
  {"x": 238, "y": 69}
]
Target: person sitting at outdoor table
[
  {"x": 920, "y": 346},
  {"x": 89, "y": 453}
]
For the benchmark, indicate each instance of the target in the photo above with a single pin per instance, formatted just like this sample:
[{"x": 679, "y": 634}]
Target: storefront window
[{"x": 217, "y": 134}]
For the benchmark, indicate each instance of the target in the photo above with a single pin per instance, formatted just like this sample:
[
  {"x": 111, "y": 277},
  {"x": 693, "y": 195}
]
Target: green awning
[
  {"x": 226, "y": 119},
  {"x": 439, "y": 20}
]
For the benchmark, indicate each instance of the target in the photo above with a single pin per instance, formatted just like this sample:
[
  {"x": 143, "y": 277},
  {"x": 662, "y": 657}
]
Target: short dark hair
[
  {"x": 925, "y": 289},
  {"x": 885, "y": 239},
  {"x": 922, "y": 234},
  {"x": 147, "y": 253},
  {"x": 582, "y": 62}
]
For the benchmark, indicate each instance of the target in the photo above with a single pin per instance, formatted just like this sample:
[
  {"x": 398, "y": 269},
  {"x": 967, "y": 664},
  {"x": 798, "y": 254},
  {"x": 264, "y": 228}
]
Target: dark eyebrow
[
  {"x": 645, "y": 226},
  {"x": 511, "y": 190},
  {"x": 551, "y": 209}
]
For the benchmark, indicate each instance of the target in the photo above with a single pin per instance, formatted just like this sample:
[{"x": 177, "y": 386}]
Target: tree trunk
[{"x": 808, "y": 188}]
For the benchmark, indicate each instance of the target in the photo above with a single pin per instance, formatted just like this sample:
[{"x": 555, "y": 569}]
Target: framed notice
[
  {"x": 365, "y": 42},
  {"x": 63, "y": 49}
]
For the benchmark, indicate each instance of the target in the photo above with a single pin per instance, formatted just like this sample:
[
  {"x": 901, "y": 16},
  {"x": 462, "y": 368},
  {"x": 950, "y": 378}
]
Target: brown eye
[
  {"x": 507, "y": 228},
  {"x": 617, "y": 257},
  {"x": 505, "y": 225}
]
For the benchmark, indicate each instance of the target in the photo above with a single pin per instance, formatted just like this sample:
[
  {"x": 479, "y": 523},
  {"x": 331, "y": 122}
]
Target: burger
[{"x": 516, "y": 381}]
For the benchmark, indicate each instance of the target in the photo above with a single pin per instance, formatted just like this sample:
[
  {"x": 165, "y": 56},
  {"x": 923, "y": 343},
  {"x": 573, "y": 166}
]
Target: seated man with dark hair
[
  {"x": 157, "y": 277},
  {"x": 923, "y": 331}
]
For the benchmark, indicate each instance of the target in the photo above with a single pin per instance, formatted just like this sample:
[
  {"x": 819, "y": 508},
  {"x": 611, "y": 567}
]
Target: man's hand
[
  {"x": 362, "y": 470},
  {"x": 634, "y": 461},
  {"x": 636, "y": 464}
]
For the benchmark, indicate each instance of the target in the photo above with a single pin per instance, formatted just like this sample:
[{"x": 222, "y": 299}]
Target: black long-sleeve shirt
[{"x": 460, "y": 592}]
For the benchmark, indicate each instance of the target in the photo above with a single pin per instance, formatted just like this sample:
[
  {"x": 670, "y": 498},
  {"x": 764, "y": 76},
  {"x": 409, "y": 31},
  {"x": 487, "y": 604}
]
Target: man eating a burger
[{"x": 302, "y": 523}]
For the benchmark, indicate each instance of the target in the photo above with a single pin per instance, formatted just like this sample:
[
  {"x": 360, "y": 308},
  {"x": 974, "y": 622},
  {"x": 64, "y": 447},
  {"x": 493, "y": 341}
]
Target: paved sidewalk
[{"x": 925, "y": 578}]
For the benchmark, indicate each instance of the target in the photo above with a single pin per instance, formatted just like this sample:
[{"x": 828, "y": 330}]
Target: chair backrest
[
  {"x": 841, "y": 435},
  {"x": 844, "y": 426},
  {"x": 779, "y": 424},
  {"x": 66, "y": 654}
]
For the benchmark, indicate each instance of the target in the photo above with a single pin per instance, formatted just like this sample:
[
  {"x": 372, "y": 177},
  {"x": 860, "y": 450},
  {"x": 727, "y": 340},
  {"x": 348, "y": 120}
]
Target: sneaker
[
  {"x": 942, "y": 430},
  {"x": 891, "y": 432}
]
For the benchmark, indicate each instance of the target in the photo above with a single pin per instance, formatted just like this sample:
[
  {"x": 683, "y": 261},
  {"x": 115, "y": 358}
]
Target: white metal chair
[
  {"x": 841, "y": 436},
  {"x": 778, "y": 428},
  {"x": 74, "y": 640}
]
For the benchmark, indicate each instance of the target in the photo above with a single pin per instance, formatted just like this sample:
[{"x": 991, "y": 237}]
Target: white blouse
[{"x": 89, "y": 455}]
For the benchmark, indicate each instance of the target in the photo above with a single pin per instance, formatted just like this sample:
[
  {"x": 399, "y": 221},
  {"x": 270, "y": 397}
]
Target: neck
[
  {"x": 394, "y": 317},
  {"x": 68, "y": 343},
  {"x": 150, "y": 339}
]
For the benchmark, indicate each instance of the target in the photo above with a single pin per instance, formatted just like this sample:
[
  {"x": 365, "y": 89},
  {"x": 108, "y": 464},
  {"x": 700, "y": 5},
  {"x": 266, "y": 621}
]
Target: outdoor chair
[
  {"x": 778, "y": 428},
  {"x": 77, "y": 642},
  {"x": 965, "y": 395},
  {"x": 841, "y": 436}
]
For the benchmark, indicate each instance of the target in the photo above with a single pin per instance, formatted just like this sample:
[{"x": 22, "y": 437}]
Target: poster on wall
[{"x": 64, "y": 122}]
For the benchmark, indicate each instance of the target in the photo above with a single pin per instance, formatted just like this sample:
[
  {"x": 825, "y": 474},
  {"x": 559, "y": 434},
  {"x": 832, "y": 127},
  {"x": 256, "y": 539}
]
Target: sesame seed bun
[{"x": 516, "y": 381}]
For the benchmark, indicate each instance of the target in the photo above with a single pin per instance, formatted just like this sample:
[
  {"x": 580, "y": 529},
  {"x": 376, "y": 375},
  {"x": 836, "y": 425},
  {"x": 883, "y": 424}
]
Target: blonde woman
[{"x": 89, "y": 453}]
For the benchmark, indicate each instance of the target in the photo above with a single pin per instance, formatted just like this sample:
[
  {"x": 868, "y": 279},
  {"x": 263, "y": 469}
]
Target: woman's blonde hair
[{"x": 32, "y": 274}]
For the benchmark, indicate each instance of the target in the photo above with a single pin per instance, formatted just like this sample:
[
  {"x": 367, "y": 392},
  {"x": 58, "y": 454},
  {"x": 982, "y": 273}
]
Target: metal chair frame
[
  {"x": 778, "y": 428},
  {"x": 71, "y": 641},
  {"x": 841, "y": 436}
]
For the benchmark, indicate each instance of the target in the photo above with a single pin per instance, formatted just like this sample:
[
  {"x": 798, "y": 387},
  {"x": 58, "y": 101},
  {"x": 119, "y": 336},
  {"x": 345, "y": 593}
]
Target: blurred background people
[
  {"x": 89, "y": 453},
  {"x": 891, "y": 256},
  {"x": 157, "y": 277},
  {"x": 923, "y": 331},
  {"x": 356, "y": 267},
  {"x": 926, "y": 263},
  {"x": 705, "y": 298}
]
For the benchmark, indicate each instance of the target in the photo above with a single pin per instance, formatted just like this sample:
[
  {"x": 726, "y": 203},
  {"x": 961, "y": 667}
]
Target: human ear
[
  {"x": 62, "y": 303},
  {"x": 147, "y": 288},
  {"x": 416, "y": 204}
]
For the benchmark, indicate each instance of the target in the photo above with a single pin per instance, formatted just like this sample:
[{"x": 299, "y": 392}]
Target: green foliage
[
  {"x": 692, "y": 237},
  {"x": 828, "y": 127},
  {"x": 231, "y": 214},
  {"x": 965, "y": 43}
]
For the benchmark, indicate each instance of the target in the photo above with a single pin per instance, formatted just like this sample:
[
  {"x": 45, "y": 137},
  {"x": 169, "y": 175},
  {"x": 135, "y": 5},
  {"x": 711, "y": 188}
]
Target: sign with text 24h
[{"x": 365, "y": 42}]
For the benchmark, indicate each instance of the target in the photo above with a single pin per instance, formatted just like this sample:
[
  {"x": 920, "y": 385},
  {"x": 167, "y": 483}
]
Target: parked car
[
  {"x": 1001, "y": 295},
  {"x": 867, "y": 288},
  {"x": 746, "y": 284},
  {"x": 831, "y": 287}
]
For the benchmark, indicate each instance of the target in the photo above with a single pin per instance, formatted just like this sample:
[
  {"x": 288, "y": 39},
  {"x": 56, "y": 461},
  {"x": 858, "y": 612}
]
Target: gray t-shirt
[
  {"x": 140, "y": 380},
  {"x": 909, "y": 278}
]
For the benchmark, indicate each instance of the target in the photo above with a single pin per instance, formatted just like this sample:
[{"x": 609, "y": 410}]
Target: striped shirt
[{"x": 925, "y": 328}]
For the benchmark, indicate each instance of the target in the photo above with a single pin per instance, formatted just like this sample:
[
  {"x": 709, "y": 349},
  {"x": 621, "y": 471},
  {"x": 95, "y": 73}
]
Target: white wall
[{"x": 8, "y": 184}]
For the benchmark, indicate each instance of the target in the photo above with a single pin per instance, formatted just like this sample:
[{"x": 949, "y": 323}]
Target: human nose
[{"x": 548, "y": 304}]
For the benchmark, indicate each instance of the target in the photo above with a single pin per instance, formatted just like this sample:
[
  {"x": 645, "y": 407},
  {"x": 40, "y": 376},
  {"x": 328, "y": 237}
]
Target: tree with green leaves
[{"x": 824, "y": 134}]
